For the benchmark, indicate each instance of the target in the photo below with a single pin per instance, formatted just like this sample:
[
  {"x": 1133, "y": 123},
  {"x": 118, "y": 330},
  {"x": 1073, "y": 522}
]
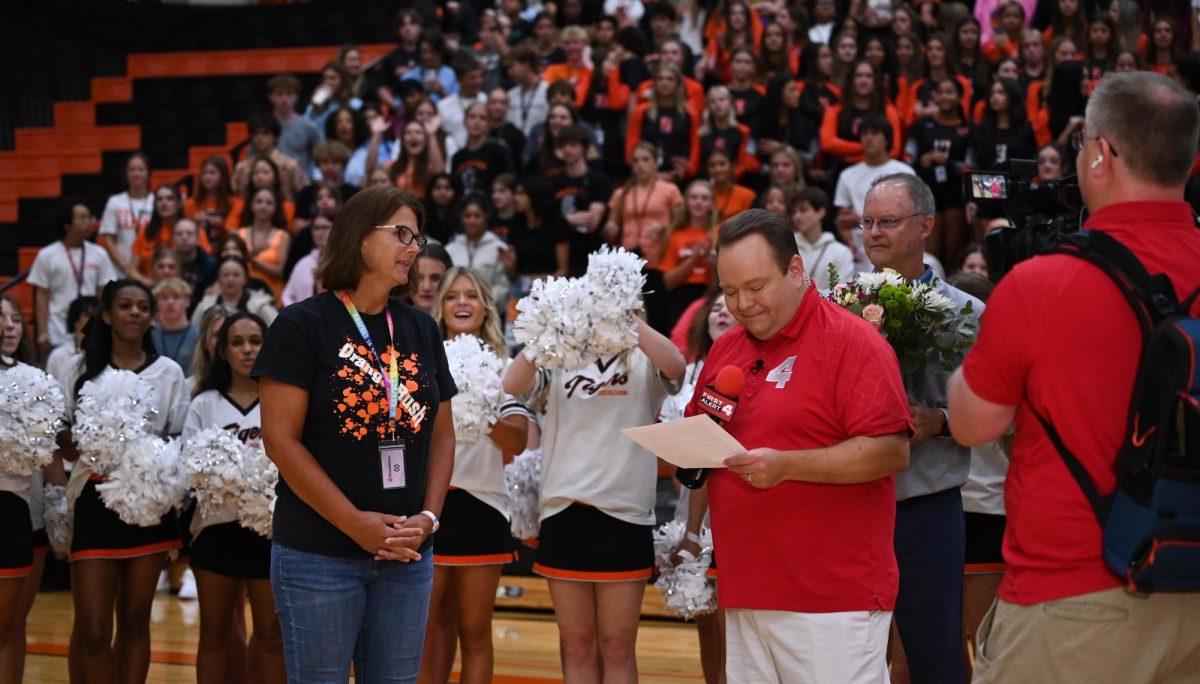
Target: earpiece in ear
[{"x": 1097, "y": 161}]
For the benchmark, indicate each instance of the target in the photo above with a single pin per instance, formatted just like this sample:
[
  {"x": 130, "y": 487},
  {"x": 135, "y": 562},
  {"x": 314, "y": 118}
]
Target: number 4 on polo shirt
[{"x": 782, "y": 373}]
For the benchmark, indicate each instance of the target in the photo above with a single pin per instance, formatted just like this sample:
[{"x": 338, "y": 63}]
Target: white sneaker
[
  {"x": 164, "y": 583},
  {"x": 187, "y": 589}
]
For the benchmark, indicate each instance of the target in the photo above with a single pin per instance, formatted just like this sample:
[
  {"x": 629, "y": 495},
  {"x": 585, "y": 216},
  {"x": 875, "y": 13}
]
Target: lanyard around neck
[{"x": 391, "y": 373}]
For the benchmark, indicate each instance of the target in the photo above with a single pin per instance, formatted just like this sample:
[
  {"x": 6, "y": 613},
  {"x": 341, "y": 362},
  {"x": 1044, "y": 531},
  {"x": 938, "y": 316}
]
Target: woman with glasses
[{"x": 355, "y": 393}]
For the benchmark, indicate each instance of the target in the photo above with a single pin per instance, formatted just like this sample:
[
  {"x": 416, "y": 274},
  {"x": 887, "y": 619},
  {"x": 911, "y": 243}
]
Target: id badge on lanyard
[
  {"x": 391, "y": 463},
  {"x": 391, "y": 451}
]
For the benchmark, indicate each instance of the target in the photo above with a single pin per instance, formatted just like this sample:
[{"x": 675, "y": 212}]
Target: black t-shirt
[
  {"x": 814, "y": 100},
  {"x": 476, "y": 169},
  {"x": 535, "y": 246},
  {"x": 748, "y": 105},
  {"x": 728, "y": 140},
  {"x": 671, "y": 131},
  {"x": 394, "y": 61},
  {"x": 930, "y": 136},
  {"x": 315, "y": 345},
  {"x": 306, "y": 200},
  {"x": 995, "y": 147},
  {"x": 576, "y": 193},
  {"x": 513, "y": 137}
]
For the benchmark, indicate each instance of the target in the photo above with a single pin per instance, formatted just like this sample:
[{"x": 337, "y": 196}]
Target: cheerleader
[
  {"x": 692, "y": 508},
  {"x": 474, "y": 540},
  {"x": 596, "y": 546},
  {"x": 115, "y": 565},
  {"x": 226, "y": 556},
  {"x": 23, "y": 541}
]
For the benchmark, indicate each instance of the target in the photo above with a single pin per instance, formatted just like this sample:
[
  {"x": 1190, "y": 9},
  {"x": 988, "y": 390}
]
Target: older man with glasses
[{"x": 929, "y": 540}]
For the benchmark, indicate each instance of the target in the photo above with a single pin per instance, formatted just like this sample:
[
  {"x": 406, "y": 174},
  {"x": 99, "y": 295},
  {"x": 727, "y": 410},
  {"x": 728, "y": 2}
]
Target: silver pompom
[
  {"x": 214, "y": 459},
  {"x": 58, "y": 520},
  {"x": 256, "y": 500},
  {"x": 31, "y": 409},
  {"x": 148, "y": 482},
  {"x": 523, "y": 479},
  {"x": 476, "y": 370},
  {"x": 569, "y": 323},
  {"x": 114, "y": 412},
  {"x": 686, "y": 587}
]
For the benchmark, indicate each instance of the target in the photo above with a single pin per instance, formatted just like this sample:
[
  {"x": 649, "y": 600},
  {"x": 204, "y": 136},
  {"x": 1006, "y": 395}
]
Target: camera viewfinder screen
[{"x": 989, "y": 186}]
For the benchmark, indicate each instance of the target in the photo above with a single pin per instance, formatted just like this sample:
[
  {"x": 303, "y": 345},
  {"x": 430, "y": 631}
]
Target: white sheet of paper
[{"x": 695, "y": 442}]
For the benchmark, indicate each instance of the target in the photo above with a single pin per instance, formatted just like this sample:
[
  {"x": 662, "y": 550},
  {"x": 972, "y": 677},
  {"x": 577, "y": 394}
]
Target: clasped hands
[{"x": 391, "y": 537}]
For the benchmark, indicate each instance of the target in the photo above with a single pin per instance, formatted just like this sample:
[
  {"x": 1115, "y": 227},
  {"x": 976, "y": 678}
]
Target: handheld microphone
[{"x": 718, "y": 400}]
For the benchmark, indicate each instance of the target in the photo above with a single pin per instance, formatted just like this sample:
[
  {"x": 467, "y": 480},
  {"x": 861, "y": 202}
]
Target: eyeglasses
[
  {"x": 1078, "y": 140},
  {"x": 888, "y": 224},
  {"x": 405, "y": 234}
]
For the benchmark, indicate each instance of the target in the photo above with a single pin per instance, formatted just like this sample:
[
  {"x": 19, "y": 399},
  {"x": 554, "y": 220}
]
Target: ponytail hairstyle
[
  {"x": 218, "y": 374},
  {"x": 97, "y": 341}
]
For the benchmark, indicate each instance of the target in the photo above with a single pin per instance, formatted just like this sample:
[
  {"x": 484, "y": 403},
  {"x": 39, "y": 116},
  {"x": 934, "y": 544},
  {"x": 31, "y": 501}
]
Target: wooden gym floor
[{"x": 525, "y": 637}]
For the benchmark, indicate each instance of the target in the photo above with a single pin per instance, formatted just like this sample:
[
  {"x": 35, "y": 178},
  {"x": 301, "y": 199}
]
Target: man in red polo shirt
[
  {"x": 802, "y": 522},
  {"x": 1057, "y": 337}
]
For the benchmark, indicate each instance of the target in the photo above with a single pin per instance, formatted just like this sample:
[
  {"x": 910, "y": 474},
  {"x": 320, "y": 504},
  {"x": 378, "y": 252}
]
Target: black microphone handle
[{"x": 692, "y": 478}]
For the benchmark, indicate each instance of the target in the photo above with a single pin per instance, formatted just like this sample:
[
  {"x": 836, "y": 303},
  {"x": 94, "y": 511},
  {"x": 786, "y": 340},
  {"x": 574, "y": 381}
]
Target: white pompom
[
  {"x": 476, "y": 370},
  {"x": 31, "y": 409},
  {"x": 148, "y": 482},
  {"x": 570, "y": 323},
  {"x": 114, "y": 411},
  {"x": 686, "y": 587},
  {"x": 256, "y": 501},
  {"x": 58, "y": 519},
  {"x": 523, "y": 479},
  {"x": 214, "y": 459}
]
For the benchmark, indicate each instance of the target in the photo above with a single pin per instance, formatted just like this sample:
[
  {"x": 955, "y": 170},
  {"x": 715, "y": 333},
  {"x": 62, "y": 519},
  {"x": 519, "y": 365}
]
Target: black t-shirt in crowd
[
  {"x": 476, "y": 169},
  {"x": 513, "y": 137},
  {"x": 576, "y": 193},
  {"x": 728, "y": 140},
  {"x": 306, "y": 200},
  {"x": 945, "y": 180},
  {"x": 995, "y": 147},
  {"x": 671, "y": 131},
  {"x": 748, "y": 105},
  {"x": 535, "y": 246},
  {"x": 315, "y": 345}
]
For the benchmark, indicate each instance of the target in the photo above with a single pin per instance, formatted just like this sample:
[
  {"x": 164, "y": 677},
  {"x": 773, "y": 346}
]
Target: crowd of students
[{"x": 532, "y": 135}]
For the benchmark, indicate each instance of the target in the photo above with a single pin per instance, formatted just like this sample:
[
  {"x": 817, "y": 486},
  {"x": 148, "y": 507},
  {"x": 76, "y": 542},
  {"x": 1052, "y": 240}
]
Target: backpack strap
[
  {"x": 1100, "y": 504},
  {"x": 1151, "y": 297}
]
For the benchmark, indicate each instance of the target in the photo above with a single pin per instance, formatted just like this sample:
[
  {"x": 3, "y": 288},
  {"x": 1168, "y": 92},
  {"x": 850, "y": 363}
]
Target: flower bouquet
[{"x": 920, "y": 323}]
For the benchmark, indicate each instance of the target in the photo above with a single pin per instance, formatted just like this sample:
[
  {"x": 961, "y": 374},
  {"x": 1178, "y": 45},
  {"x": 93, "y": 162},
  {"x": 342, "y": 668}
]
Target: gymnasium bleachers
[{"x": 186, "y": 84}]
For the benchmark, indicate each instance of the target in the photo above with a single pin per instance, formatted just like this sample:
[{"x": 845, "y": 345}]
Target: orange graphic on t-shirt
[{"x": 363, "y": 405}]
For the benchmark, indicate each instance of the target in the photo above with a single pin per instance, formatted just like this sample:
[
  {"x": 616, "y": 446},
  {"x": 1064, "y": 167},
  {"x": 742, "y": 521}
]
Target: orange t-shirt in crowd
[
  {"x": 273, "y": 255},
  {"x": 635, "y": 210},
  {"x": 580, "y": 76},
  {"x": 234, "y": 220},
  {"x": 407, "y": 181},
  {"x": 679, "y": 247},
  {"x": 143, "y": 247},
  {"x": 737, "y": 199}
]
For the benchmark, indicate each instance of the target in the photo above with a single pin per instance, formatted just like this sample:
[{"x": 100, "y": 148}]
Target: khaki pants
[{"x": 1106, "y": 636}]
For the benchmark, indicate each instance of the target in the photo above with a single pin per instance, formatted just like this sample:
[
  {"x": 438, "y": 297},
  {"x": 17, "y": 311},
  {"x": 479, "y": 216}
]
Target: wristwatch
[
  {"x": 436, "y": 523},
  {"x": 945, "y": 431}
]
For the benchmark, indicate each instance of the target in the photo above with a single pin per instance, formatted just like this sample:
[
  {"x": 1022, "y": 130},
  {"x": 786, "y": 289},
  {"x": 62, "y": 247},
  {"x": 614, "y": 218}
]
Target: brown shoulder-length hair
[{"x": 343, "y": 264}]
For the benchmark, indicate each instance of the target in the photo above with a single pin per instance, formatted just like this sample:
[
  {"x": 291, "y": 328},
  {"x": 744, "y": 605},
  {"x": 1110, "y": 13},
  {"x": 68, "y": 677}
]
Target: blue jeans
[{"x": 334, "y": 610}]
